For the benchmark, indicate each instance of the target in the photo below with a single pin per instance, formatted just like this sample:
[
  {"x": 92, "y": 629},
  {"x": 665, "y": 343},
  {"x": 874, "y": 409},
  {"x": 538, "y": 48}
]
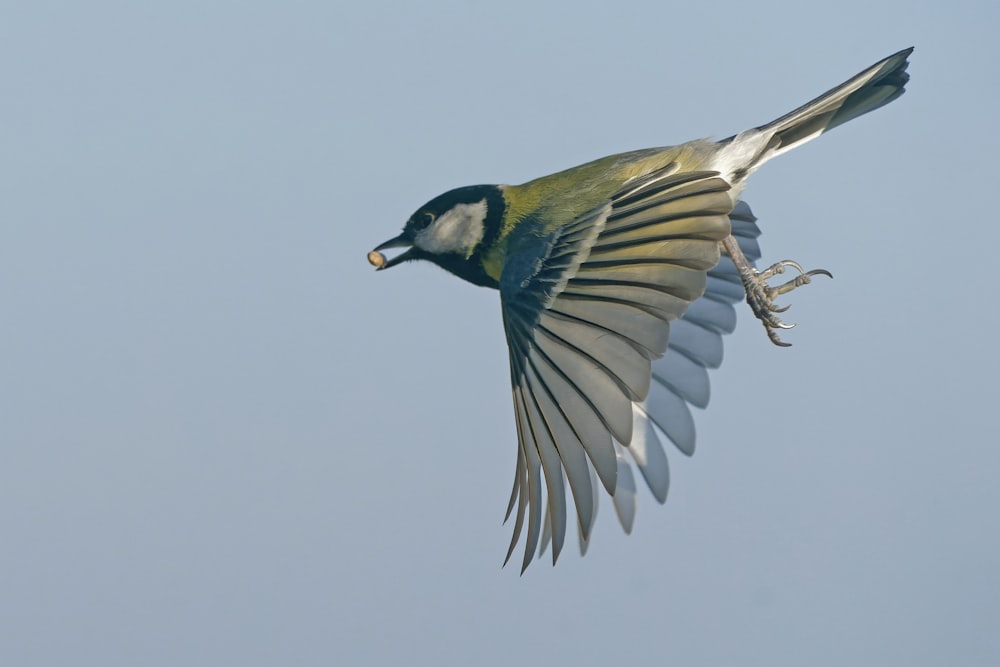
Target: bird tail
[{"x": 875, "y": 87}]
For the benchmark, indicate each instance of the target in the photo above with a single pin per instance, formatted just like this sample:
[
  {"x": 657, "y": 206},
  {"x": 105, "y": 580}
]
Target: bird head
[{"x": 448, "y": 230}]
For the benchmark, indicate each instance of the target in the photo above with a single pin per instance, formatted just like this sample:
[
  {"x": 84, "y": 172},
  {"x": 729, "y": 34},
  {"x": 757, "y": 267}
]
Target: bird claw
[{"x": 761, "y": 296}]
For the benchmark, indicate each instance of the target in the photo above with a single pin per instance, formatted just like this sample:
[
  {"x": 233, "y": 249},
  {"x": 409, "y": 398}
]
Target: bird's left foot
[{"x": 761, "y": 296}]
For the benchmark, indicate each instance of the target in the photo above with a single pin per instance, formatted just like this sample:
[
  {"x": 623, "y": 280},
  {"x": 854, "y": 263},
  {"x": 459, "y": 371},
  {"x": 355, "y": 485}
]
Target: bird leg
[{"x": 760, "y": 295}]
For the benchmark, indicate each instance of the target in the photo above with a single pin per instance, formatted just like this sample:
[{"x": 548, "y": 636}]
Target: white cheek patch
[{"x": 458, "y": 230}]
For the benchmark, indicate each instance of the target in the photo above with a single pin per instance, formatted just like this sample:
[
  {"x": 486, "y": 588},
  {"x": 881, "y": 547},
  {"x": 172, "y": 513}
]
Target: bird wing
[
  {"x": 680, "y": 378},
  {"x": 585, "y": 318}
]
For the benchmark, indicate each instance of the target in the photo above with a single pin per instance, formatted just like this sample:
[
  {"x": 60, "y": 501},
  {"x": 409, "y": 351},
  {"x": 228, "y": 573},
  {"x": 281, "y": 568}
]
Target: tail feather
[{"x": 875, "y": 87}]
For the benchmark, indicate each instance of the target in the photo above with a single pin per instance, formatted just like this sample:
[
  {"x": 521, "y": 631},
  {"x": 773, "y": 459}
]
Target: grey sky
[{"x": 225, "y": 440}]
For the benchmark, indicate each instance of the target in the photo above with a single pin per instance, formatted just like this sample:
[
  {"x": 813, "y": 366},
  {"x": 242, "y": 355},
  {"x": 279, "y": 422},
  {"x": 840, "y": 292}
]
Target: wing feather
[
  {"x": 585, "y": 531},
  {"x": 633, "y": 323},
  {"x": 651, "y": 241},
  {"x": 690, "y": 209},
  {"x": 520, "y": 485},
  {"x": 618, "y": 357},
  {"x": 712, "y": 313},
  {"x": 600, "y": 390},
  {"x": 684, "y": 377},
  {"x": 651, "y": 298},
  {"x": 571, "y": 451},
  {"x": 698, "y": 343},
  {"x": 682, "y": 282},
  {"x": 647, "y": 452},
  {"x": 671, "y": 415},
  {"x": 588, "y": 310},
  {"x": 580, "y": 415},
  {"x": 552, "y": 469},
  {"x": 624, "y": 498},
  {"x": 532, "y": 478}
]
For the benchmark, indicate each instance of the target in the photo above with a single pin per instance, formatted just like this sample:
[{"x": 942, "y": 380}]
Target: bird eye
[{"x": 423, "y": 220}]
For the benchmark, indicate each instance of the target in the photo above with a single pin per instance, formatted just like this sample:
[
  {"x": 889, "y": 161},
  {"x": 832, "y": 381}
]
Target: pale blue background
[{"x": 224, "y": 440}]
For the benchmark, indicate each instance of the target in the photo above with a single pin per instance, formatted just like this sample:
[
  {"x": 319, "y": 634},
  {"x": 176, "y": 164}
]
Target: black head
[{"x": 450, "y": 229}]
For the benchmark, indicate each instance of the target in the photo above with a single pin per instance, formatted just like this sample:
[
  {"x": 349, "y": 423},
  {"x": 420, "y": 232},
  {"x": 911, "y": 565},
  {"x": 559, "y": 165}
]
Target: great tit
[{"x": 617, "y": 280}]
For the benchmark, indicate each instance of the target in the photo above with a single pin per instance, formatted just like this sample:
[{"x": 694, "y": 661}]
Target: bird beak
[{"x": 401, "y": 241}]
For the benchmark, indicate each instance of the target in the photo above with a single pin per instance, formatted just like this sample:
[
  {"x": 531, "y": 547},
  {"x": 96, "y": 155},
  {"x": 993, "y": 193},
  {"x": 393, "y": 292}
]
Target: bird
[{"x": 617, "y": 280}]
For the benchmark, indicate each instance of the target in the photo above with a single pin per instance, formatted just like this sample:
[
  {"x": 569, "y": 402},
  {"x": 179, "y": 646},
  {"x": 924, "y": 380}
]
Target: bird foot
[{"x": 761, "y": 296}]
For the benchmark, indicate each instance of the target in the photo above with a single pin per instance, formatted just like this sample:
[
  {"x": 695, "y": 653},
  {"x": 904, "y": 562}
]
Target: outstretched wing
[
  {"x": 680, "y": 379},
  {"x": 585, "y": 318}
]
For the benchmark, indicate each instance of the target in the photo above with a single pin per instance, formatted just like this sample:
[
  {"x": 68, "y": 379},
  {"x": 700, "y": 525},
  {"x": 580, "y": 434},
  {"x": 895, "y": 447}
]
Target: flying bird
[{"x": 617, "y": 281}]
